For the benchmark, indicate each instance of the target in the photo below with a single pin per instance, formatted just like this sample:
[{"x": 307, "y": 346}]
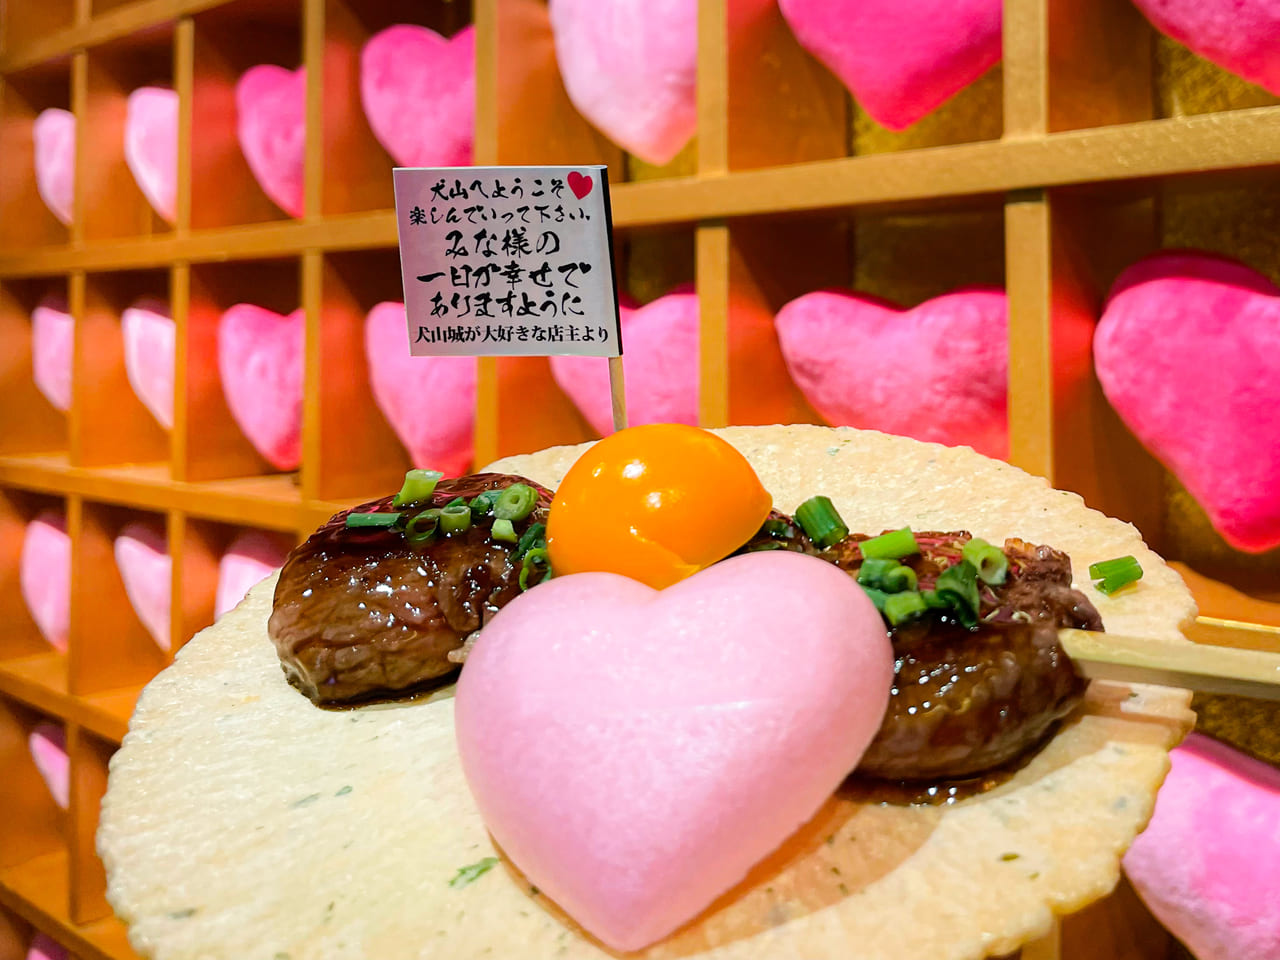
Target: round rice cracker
[{"x": 242, "y": 822}]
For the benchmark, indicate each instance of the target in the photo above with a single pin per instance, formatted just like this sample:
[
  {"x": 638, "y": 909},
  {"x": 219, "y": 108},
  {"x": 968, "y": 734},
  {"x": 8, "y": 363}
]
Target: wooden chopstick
[{"x": 1195, "y": 666}]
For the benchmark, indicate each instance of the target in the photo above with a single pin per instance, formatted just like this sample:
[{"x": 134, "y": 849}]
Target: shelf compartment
[
  {"x": 21, "y": 637},
  {"x": 33, "y": 824},
  {"x": 32, "y": 422},
  {"x": 25, "y": 220},
  {"x": 87, "y": 878}
]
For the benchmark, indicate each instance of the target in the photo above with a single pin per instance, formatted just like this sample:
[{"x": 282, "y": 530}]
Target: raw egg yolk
[{"x": 655, "y": 503}]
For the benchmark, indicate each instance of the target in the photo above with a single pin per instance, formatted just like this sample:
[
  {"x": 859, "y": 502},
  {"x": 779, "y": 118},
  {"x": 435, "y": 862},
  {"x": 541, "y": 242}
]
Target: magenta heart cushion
[
  {"x": 271, "y": 125},
  {"x": 660, "y": 360},
  {"x": 430, "y": 402},
  {"x": 249, "y": 558},
  {"x": 44, "y": 947},
  {"x": 1188, "y": 353},
  {"x": 44, "y": 576},
  {"x": 1242, "y": 36},
  {"x": 260, "y": 361},
  {"x": 633, "y": 794},
  {"x": 54, "y": 134},
  {"x": 1208, "y": 864},
  {"x": 419, "y": 94},
  {"x": 630, "y": 67},
  {"x": 48, "y": 746},
  {"x": 899, "y": 58},
  {"x": 936, "y": 372},
  {"x": 52, "y": 350},
  {"x": 142, "y": 557},
  {"x": 149, "y": 345},
  {"x": 151, "y": 146}
]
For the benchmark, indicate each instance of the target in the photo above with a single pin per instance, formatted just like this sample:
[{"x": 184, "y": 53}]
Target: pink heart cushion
[
  {"x": 430, "y": 402},
  {"x": 1188, "y": 353},
  {"x": 149, "y": 344},
  {"x": 271, "y": 125},
  {"x": 660, "y": 361},
  {"x": 936, "y": 372},
  {"x": 142, "y": 557},
  {"x": 1208, "y": 864},
  {"x": 54, "y": 133},
  {"x": 633, "y": 794},
  {"x": 250, "y": 558},
  {"x": 52, "y": 350},
  {"x": 419, "y": 93},
  {"x": 630, "y": 67},
  {"x": 151, "y": 146},
  {"x": 44, "y": 575},
  {"x": 260, "y": 360},
  {"x": 48, "y": 746},
  {"x": 1242, "y": 36},
  {"x": 899, "y": 58},
  {"x": 44, "y": 947}
]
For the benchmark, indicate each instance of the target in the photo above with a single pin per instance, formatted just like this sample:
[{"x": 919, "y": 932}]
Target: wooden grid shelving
[{"x": 1086, "y": 149}]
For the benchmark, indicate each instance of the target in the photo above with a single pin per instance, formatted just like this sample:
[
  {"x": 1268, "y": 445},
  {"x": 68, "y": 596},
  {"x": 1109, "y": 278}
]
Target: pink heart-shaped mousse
[
  {"x": 44, "y": 574},
  {"x": 271, "y": 125},
  {"x": 54, "y": 133},
  {"x": 419, "y": 94},
  {"x": 634, "y": 793},
  {"x": 1242, "y": 36},
  {"x": 48, "y": 746},
  {"x": 250, "y": 558},
  {"x": 899, "y": 58},
  {"x": 936, "y": 372},
  {"x": 52, "y": 350},
  {"x": 1208, "y": 864},
  {"x": 151, "y": 146},
  {"x": 1188, "y": 353},
  {"x": 660, "y": 360},
  {"x": 149, "y": 344},
  {"x": 44, "y": 947},
  {"x": 142, "y": 557},
  {"x": 630, "y": 67},
  {"x": 430, "y": 402},
  {"x": 260, "y": 361}
]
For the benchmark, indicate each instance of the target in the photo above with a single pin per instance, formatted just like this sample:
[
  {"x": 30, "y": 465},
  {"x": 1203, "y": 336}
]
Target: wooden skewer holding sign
[{"x": 618, "y": 393}]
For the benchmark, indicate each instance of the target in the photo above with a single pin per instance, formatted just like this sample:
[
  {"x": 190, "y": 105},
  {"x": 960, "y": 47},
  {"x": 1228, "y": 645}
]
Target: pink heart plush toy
[
  {"x": 142, "y": 557},
  {"x": 1242, "y": 36},
  {"x": 1188, "y": 353},
  {"x": 1208, "y": 864},
  {"x": 48, "y": 746},
  {"x": 660, "y": 361},
  {"x": 430, "y": 402},
  {"x": 52, "y": 350},
  {"x": 630, "y": 67},
  {"x": 899, "y": 58},
  {"x": 250, "y": 558},
  {"x": 44, "y": 947},
  {"x": 149, "y": 336},
  {"x": 44, "y": 574},
  {"x": 54, "y": 133},
  {"x": 419, "y": 93},
  {"x": 151, "y": 146},
  {"x": 271, "y": 125},
  {"x": 936, "y": 372},
  {"x": 260, "y": 361},
  {"x": 634, "y": 795}
]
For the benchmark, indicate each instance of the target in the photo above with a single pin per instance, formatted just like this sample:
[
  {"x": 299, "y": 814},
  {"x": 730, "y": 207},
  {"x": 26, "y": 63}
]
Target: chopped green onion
[
  {"x": 933, "y": 601},
  {"x": 991, "y": 563},
  {"x": 900, "y": 607},
  {"x": 537, "y": 556},
  {"x": 456, "y": 502},
  {"x": 529, "y": 539},
  {"x": 418, "y": 486},
  {"x": 821, "y": 522},
  {"x": 482, "y": 503},
  {"x": 516, "y": 502},
  {"x": 767, "y": 545},
  {"x": 372, "y": 520},
  {"x": 455, "y": 518},
  {"x": 1109, "y": 568},
  {"x": 778, "y": 528},
  {"x": 503, "y": 530},
  {"x": 1110, "y": 585},
  {"x": 422, "y": 527},
  {"x": 895, "y": 544},
  {"x": 958, "y": 586},
  {"x": 887, "y": 575},
  {"x": 878, "y": 597}
]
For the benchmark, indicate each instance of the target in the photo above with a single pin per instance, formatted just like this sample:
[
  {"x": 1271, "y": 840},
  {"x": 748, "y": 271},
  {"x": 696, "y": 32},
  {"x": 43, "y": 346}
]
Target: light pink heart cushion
[
  {"x": 430, "y": 402},
  {"x": 44, "y": 947},
  {"x": 936, "y": 372},
  {"x": 142, "y": 557},
  {"x": 149, "y": 344},
  {"x": 1242, "y": 36},
  {"x": 419, "y": 94},
  {"x": 633, "y": 794},
  {"x": 630, "y": 67},
  {"x": 899, "y": 58},
  {"x": 151, "y": 146},
  {"x": 660, "y": 360},
  {"x": 260, "y": 361},
  {"x": 44, "y": 575},
  {"x": 52, "y": 350},
  {"x": 1188, "y": 353},
  {"x": 48, "y": 746},
  {"x": 250, "y": 557},
  {"x": 54, "y": 133},
  {"x": 271, "y": 125},
  {"x": 1208, "y": 864}
]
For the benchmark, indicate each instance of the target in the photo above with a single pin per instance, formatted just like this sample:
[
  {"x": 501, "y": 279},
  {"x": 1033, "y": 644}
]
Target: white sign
[{"x": 507, "y": 261}]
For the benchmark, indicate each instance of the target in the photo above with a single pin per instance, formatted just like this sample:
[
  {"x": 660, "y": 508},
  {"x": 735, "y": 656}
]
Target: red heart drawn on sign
[{"x": 579, "y": 184}]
